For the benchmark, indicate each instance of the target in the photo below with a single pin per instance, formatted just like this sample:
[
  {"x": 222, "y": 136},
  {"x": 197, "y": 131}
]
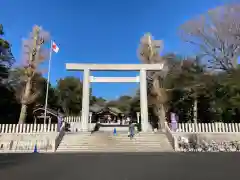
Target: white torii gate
[{"x": 87, "y": 79}]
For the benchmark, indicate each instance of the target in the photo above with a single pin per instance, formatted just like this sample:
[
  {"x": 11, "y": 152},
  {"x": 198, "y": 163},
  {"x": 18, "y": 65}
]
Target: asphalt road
[{"x": 113, "y": 166}]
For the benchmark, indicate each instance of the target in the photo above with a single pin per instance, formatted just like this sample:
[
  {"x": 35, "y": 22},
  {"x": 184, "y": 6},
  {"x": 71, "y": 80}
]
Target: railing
[
  {"x": 204, "y": 137},
  {"x": 27, "y": 128},
  {"x": 24, "y": 137},
  {"x": 172, "y": 139},
  {"x": 59, "y": 137},
  {"x": 208, "y": 127},
  {"x": 70, "y": 119}
]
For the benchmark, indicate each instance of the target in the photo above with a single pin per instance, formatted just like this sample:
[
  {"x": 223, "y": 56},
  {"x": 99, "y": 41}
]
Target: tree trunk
[
  {"x": 160, "y": 112},
  {"x": 159, "y": 107},
  {"x": 163, "y": 117},
  {"x": 23, "y": 113}
]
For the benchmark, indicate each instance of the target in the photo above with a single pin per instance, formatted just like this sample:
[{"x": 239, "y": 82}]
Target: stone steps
[
  {"x": 111, "y": 150},
  {"x": 107, "y": 142}
]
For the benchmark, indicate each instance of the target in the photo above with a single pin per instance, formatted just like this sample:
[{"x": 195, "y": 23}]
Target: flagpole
[{"x": 48, "y": 79}]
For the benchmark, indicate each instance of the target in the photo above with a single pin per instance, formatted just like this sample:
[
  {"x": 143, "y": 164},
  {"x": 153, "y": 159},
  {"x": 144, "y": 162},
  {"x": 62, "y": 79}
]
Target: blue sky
[{"x": 100, "y": 31}]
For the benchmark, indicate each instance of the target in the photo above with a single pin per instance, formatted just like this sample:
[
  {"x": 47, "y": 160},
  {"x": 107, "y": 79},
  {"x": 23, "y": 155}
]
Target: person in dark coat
[
  {"x": 131, "y": 129},
  {"x": 96, "y": 127}
]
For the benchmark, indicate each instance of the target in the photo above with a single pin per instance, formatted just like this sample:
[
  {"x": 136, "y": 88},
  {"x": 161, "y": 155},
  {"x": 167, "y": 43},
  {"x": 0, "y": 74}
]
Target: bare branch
[{"x": 216, "y": 34}]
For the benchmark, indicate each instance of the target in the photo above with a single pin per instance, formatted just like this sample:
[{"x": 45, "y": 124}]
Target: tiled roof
[{"x": 51, "y": 111}]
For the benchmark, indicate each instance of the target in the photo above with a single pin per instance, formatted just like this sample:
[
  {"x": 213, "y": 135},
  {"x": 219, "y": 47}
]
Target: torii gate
[{"x": 87, "y": 79}]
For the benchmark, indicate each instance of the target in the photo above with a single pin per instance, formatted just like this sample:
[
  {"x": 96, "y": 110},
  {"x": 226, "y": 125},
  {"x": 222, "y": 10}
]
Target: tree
[
  {"x": 135, "y": 105},
  {"x": 149, "y": 53},
  {"x": 9, "y": 107},
  {"x": 34, "y": 56},
  {"x": 185, "y": 85},
  {"x": 217, "y": 35},
  {"x": 6, "y": 57},
  {"x": 217, "y": 93},
  {"x": 69, "y": 90},
  {"x": 39, "y": 83},
  {"x": 99, "y": 101},
  {"x": 122, "y": 103},
  {"x": 53, "y": 97},
  {"x": 8, "y": 104},
  {"x": 226, "y": 101}
]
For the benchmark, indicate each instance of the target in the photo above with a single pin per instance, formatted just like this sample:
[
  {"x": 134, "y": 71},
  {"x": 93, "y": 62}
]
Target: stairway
[{"x": 107, "y": 142}]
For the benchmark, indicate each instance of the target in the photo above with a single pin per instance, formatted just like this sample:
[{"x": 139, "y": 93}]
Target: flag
[{"x": 55, "y": 48}]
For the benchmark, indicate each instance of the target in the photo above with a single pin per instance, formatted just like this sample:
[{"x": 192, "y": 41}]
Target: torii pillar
[
  {"x": 143, "y": 68},
  {"x": 85, "y": 99},
  {"x": 144, "y": 100}
]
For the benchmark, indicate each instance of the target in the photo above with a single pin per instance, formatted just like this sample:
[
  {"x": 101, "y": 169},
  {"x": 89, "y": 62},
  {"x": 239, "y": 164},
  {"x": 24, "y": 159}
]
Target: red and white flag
[{"x": 55, "y": 48}]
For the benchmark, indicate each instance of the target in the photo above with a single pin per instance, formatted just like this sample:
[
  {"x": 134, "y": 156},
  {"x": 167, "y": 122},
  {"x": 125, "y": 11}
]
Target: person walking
[
  {"x": 96, "y": 127},
  {"x": 131, "y": 129}
]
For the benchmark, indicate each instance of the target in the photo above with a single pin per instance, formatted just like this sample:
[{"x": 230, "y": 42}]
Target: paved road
[{"x": 130, "y": 166}]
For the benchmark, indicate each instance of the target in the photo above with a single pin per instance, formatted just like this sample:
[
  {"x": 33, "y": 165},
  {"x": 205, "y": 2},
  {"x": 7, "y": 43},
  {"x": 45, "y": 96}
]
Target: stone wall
[
  {"x": 217, "y": 136},
  {"x": 45, "y": 142},
  {"x": 208, "y": 136}
]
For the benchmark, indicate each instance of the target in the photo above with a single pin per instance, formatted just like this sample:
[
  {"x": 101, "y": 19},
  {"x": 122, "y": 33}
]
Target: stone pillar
[
  {"x": 50, "y": 121},
  {"x": 138, "y": 117},
  {"x": 85, "y": 100},
  {"x": 143, "y": 100},
  {"x": 90, "y": 121},
  {"x": 90, "y": 117}
]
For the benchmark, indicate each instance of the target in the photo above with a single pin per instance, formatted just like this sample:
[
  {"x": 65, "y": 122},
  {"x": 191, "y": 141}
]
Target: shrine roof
[
  {"x": 99, "y": 109},
  {"x": 50, "y": 111}
]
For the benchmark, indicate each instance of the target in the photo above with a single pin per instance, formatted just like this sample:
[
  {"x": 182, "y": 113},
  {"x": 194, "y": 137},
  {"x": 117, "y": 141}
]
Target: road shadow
[{"x": 16, "y": 159}]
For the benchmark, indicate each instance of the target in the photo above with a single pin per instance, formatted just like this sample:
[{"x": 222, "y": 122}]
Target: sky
[{"x": 100, "y": 31}]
